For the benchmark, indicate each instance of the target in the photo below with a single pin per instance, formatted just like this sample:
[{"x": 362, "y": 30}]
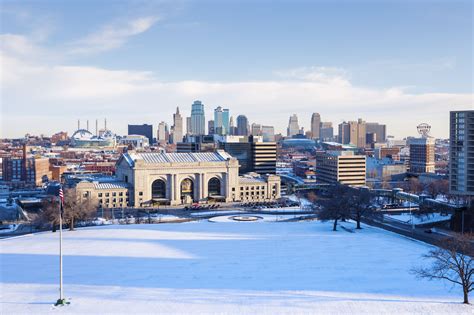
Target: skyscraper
[
  {"x": 198, "y": 120},
  {"x": 461, "y": 152},
  {"x": 353, "y": 132},
  {"x": 211, "y": 127},
  {"x": 256, "y": 130},
  {"x": 268, "y": 134},
  {"x": 177, "y": 127},
  {"x": 242, "y": 125},
  {"x": 326, "y": 131},
  {"x": 379, "y": 130},
  {"x": 293, "y": 127},
  {"x": 221, "y": 121},
  {"x": 315, "y": 126},
  {"x": 163, "y": 133},
  {"x": 232, "y": 128}
]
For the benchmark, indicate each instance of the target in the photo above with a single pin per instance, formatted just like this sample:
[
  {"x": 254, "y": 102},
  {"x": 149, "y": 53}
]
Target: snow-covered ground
[
  {"x": 207, "y": 267},
  {"x": 407, "y": 218},
  {"x": 261, "y": 218},
  {"x": 284, "y": 209},
  {"x": 216, "y": 212}
]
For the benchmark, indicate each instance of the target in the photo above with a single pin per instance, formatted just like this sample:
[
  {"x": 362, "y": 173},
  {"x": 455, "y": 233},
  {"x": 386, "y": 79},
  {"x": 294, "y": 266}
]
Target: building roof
[
  {"x": 114, "y": 185},
  {"x": 251, "y": 180},
  {"x": 162, "y": 157}
]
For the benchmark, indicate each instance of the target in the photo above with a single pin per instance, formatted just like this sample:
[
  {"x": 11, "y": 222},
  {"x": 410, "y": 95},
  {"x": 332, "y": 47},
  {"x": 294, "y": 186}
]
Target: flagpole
[{"x": 61, "y": 299}]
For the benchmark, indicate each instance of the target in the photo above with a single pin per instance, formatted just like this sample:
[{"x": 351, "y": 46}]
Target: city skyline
[{"x": 134, "y": 63}]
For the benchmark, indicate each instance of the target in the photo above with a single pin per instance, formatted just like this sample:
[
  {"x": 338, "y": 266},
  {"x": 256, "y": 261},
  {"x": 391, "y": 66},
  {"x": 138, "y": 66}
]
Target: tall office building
[
  {"x": 198, "y": 120},
  {"x": 163, "y": 133},
  {"x": 256, "y": 130},
  {"x": 211, "y": 127},
  {"x": 143, "y": 130},
  {"x": 188, "y": 126},
  {"x": 268, "y": 133},
  {"x": 379, "y": 130},
  {"x": 264, "y": 157},
  {"x": 353, "y": 132},
  {"x": 461, "y": 152},
  {"x": 293, "y": 127},
  {"x": 177, "y": 127},
  {"x": 221, "y": 121},
  {"x": 341, "y": 167},
  {"x": 232, "y": 128},
  {"x": 315, "y": 126},
  {"x": 326, "y": 131},
  {"x": 242, "y": 125},
  {"x": 422, "y": 155},
  {"x": 253, "y": 154}
]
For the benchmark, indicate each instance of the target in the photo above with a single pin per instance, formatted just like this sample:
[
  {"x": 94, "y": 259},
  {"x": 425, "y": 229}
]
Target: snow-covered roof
[
  {"x": 162, "y": 157},
  {"x": 114, "y": 185},
  {"x": 251, "y": 180}
]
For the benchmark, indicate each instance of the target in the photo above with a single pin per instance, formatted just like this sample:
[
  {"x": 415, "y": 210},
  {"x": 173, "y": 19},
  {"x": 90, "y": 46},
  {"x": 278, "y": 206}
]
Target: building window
[
  {"x": 158, "y": 189},
  {"x": 99, "y": 195},
  {"x": 114, "y": 194},
  {"x": 140, "y": 194},
  {"x": 214, "y": 186}
]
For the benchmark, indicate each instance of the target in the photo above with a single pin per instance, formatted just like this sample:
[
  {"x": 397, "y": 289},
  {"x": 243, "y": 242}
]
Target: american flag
[{"x": 61, "y": 197}]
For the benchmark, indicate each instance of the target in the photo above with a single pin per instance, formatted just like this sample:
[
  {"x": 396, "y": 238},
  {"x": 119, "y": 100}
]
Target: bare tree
[
  {"x": 414, "y": 186},
  {"x": 74, "y": 209},
  {"x": 336, "y": 207},
  {"x": 49, "y": 214},
  {"x": 451, "y": 261},
  {"x": 360, "y": 204},
  {"x": 438, "y": 187}
]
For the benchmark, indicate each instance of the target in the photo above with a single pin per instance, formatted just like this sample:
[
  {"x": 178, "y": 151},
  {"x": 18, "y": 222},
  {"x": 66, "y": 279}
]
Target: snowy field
[{"x": 211, "y": 267}]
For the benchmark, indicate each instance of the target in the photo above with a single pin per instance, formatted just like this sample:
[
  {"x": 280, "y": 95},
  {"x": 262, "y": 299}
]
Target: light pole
[{"x": 411, "y": 215}]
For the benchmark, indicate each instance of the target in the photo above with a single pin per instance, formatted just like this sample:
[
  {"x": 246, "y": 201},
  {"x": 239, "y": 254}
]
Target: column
[
  {"x": 170, "y": 184},
  {"x": 202, "y": 186},
  {"x": 175, "y": 183}
]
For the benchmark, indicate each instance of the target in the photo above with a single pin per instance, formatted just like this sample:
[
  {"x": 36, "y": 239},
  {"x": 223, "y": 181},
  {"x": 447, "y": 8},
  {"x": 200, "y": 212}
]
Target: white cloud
[
  {"x": 333, "y": 75},
  {"x": 111, "y": 36},
  {"x": 44, "y": 98}
]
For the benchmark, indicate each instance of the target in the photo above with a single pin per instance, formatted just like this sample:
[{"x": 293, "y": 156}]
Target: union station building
[{"x": 151, "y": 179}]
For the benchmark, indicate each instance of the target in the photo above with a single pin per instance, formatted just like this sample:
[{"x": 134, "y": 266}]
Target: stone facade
[{"x": 150, "y": 179}]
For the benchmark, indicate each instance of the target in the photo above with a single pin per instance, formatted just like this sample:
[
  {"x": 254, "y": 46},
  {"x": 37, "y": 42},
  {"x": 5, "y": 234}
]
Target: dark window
[
  {"x": 158, "y": 189},
  {"x": 214, "y": 186}
]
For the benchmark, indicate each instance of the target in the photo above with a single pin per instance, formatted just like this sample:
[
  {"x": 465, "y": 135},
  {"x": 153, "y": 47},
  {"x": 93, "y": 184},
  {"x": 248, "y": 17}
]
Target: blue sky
[{"x": 398, "y": 62}]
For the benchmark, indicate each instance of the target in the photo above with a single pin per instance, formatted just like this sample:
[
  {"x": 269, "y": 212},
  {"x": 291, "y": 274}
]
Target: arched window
[
  {"x": 214, "y": 187},
  {"x": 187, "y": 189},
  {"x": 158, "y": 189}
]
